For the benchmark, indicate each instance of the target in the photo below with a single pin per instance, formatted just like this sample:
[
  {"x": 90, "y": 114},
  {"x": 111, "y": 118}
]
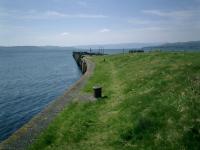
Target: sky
[{"x": 84, "y": 22}]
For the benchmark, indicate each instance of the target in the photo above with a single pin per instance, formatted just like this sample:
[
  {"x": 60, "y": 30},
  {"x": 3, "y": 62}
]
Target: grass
[{"x": 152, "y": 102}]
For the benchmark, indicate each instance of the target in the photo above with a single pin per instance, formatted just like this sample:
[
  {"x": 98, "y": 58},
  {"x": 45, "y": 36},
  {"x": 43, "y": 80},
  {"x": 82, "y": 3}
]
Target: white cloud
[
  {"x": 65, "y": 34},
  {"x": 64, "y": 15},
  {"x": 88, "y": 16},
  {"x": 182, "y": 20},
  {"x": 180, "y": 14},
  {"x": 139, "y": 21},
  {"x": 56, "y": 15},
  {"x": 33, "y": 14},
  {"x": 104, "y": 30}
]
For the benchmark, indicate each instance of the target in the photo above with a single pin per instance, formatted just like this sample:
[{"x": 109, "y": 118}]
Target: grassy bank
[{"x": 151, "y": 101}]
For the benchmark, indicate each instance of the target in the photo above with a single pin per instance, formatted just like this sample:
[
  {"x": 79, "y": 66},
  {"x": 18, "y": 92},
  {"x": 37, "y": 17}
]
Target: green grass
[{"x": 152, "y": 101}]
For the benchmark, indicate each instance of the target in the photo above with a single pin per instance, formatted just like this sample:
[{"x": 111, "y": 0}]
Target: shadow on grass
[{"x": 143, "y": 127}]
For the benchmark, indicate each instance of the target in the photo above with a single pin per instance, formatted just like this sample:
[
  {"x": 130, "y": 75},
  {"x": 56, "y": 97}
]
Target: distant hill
[
  {"x": 36, "y": 48},
  {"x": 179, "y": 46},
  {"x": 117, "y": 46}
]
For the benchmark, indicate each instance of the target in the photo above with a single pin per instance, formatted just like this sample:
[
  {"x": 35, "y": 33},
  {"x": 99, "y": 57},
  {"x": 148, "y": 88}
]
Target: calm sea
[{"x": 29, "y": 80}]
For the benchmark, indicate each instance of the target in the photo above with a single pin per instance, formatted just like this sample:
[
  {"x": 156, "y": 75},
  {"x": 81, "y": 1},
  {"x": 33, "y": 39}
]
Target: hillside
[
  {"x": 151, "y": 101},
  {"x": 180, "y": 46}
]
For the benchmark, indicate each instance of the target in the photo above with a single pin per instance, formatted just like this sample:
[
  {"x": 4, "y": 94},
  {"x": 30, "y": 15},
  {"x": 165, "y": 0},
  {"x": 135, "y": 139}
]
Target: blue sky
[{"x": 83, "y": 22}]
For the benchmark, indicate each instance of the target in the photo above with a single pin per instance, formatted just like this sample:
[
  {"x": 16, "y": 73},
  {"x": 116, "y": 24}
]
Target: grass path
[{"x": 107, "y": 113}]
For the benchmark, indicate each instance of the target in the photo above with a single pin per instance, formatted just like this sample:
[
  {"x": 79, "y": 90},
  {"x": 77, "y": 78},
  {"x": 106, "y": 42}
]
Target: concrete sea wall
[
  {"x": 79, "y": 58},
  {"x": 81, "y": 61}
]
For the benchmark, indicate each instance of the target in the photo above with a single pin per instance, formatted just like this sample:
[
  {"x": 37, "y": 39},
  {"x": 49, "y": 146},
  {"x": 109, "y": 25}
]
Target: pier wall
[{"x": 81, "y": 62}]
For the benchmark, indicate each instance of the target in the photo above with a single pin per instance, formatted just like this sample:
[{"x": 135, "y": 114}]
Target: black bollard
[{"x": 97, "y": 91}]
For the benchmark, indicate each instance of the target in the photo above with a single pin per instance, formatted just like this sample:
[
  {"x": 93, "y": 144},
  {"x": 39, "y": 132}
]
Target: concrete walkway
[{"x": 28, "y": 133}]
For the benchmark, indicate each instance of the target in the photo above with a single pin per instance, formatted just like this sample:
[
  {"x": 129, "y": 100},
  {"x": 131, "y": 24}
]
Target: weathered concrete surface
[{"x": 26, "y": 135}]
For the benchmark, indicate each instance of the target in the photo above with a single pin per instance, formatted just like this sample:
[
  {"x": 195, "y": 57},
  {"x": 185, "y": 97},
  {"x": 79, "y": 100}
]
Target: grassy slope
[{"x": 152, "y": 103}]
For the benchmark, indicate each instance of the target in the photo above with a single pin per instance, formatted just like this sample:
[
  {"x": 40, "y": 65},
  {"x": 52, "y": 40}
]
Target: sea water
[{"x": 29, "y": 80}]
